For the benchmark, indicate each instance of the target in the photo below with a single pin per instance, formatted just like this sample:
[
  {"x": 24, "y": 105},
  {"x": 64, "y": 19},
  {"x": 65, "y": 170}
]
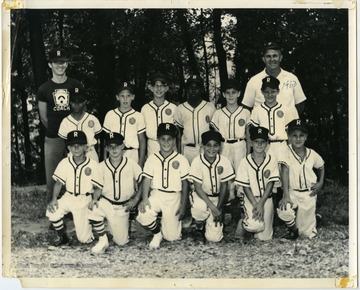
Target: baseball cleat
[
  {"x": 62, "y": 240},
  {"x": 155, "y": 242},
  {"x": 292, "y": 235},
  {"x": 101, "y": 246}
]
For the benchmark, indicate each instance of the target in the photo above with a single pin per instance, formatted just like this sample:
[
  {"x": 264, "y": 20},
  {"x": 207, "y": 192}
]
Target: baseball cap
[
  {"x": 167, "y": 129},
  {"x": 76, "y": 137},
  {"x": 231, "y": 84},
  {"x": 195, "y": 79},
  {"x": 57, "y": 54},
  {"x": 125, "y": 85},
  {"x": 270, "y": 82},
  {"x": 211, "y": 135},
  {"x": 259, "y": 133},
  {"x": 114, "y": 138},
  {"x": 297, "y": 124},
  {"x": 271, "y": 45},
  {"x": 78, "y": 94},
  {"x": 158, "y": 77}
]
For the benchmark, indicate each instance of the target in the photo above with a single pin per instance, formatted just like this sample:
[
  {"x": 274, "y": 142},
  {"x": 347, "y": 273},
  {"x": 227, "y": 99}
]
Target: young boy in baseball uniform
[
  {"x": 210, "y": 173},
  {"x": 257, "y": 174},
  {"x": 82, "y": 178},
  {"x": 129, "y": 123},
  {"x": 164, "y": 188},
  {"x": 303, "y": 177},
  {"x": 157, "y": 111},
  {"x": 80, "y": 120},
  {"x": 120, "y": 194}
]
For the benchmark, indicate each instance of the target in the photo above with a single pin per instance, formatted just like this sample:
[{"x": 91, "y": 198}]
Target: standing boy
[
  {"x": 210, "y": 173},
  {"x": 257, "y": 174},
  {"x": 81, "y": 177},
  {"x": 121, "y": 177},
  {"x": 54, "y": 105},
  {"x": 80, "y": 120},
  {"x": 193, "y": 117},
  {"x": 157, "y": 111},
  {"x": 129, "y": 123},
  {"x": 303, "y": 177},
  {"x": 164, "y": 188}
]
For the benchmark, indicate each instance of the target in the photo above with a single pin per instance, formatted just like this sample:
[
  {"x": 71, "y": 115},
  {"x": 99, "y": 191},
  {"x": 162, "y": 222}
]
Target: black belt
[
  {"x": 231, "y": 141},
  {"x": 214, "y": 194},
  {"x": 128, "y": 148},
  {"x": 77, "y": 194},
  {"x": 114, "y": 202},
  {"x": 190, "y": 145},
  {"x": 302, "y": 190},
  {"x": 270, "y": 196},
  {"x": 275, "y": 141},
  {"x": 166, "y": 191}
]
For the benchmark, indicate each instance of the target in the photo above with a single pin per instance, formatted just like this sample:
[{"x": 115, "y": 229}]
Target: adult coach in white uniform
[{"x": 291, "y": 93}]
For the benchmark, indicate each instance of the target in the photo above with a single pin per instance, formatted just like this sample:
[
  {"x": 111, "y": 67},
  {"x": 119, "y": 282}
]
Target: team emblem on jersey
[
  {"x": 207, "y": 119},
  {"x": 168, "y": 112},
  {"x": 87, "y": 171},
  {"x": 241, "y": 122},
  {"x": 91, "y": 123},
  {"x": 176, "y": 164},
  {"x": 280, "y": 114},
  {"x": 61, "y": 100},
  {"x": 220, "y": 170},
  {"x": 132, "y": 121},
  {"x": 267, "y": 173}
]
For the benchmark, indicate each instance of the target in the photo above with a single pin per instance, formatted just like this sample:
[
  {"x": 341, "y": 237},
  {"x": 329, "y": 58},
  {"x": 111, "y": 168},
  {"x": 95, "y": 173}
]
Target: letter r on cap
[
  {"x": 298, "y": 122},
  {"x": 76, "y": 90},
  {"x": 268, "y": 80},
  {"x": 167, "y": 127},
  {"x": 111, "y": 135},
  {"x": 259, "y": 131},
  {"x": 75, "y": 134},
  {"x": 58, "y": 53},
  {"x": 125, "y": 85}
]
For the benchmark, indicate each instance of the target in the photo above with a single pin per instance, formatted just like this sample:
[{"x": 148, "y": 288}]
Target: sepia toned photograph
[{"x": 200, "y": 146}]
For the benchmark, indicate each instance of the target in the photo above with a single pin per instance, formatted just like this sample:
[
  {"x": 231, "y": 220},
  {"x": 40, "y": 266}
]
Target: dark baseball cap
[
  {"x": 230, "y": 84},
  {"x": 78, "y": 93},
  {"x": 114, "y": 138},
  {"x": 158, "y": 77},
  {"x": 211, "y": 135},
  {"x": 270, "y": 82},
  {"x": 76, "y": 137},
  {"x": 167, "y": 129},
  {"x": 195, "y": 79},
  {"x": 259, "y": 133},
  {"x": 297, "y": 124},
  {"x": 271, "y": 45},
  {"x": 125, "y": 85},
  {"x": 58, "y": 55}
]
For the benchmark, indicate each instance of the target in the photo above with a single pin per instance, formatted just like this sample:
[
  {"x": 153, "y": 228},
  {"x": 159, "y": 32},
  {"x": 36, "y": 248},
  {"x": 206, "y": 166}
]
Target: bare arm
[
  {"x": 284, "y": 174},
  {"x": 184, "y": 199},
  {"x": 300, "y": 107},
  {"x": 319, "y": 184},
  {"x": 43, "y": 113},
  {"x": 203, "y": 195},
  {"x": 142, "y": 149},
  {"x": 53, "y": 205},
  {"x": 146, "y": 186},
  {"x": 96, "y": 195}
]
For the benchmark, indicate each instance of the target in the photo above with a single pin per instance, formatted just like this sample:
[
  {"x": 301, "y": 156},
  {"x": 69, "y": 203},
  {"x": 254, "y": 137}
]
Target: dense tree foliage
[{"x": 111, "y": 44}]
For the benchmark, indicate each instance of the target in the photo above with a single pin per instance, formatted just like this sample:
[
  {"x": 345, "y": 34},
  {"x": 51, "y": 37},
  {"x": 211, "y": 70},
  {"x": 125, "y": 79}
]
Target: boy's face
[
  {"x": 125, "y": 97},
  {"x": 159, "y": 89},
  {"x": 272, "y": 59},
  {"x": 58, "y": 68},
  {"x": 231, "y": 95},
  {"x": 167, "y": 143},
  {"x": 211, "y": 149},
  {"x": 115, "y": 150},
  {"x": 259, "y": 145},
  {"x": 194, "y": 91},
  {"x": 297, "y": 138},
  {"x": 77, "y": 105},
  {"x": 270, "y": 95},
  {"x": 77, "y": 150}
]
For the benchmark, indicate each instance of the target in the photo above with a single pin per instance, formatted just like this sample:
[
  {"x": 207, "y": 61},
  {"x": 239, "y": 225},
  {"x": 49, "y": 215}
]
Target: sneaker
[
  {"x": 101, "y": 246},
  {"x": 292, "y": 235},
  {"x": 62, "y": 240},
  {"x": 155, "y": 242}
]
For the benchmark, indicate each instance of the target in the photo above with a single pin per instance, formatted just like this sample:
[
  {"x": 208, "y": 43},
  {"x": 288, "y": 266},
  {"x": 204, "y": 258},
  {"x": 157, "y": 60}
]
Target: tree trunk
[{"x": 207, "y": 86}]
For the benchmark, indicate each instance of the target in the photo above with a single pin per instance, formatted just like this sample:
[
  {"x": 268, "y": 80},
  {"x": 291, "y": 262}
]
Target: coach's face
[
  {"x": 58, "y": 68},
  {"x": 272, "y": 59}
]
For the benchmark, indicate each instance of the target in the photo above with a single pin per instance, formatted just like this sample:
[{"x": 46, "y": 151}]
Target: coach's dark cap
[
  {"x": 211, "y": 135},
  {"x": 78, "y": 94},
  {"x": 270, "y": 82},
  {"x": 76, "y": 137},
  {"x": 167, "y": 129},
  {"x": 271, "y": 45},
  {"x": 125, "y": 85},
  {"x": 114, "y": 138},
  {"x": 297, "y": 124},
  {"x": 195, "y": 79},
  {"x": 158, "y": 77},
  {"x": 58, "y": 54},
  {"x": 231, "y": 84},
  {"x": 259, "y": 133}
]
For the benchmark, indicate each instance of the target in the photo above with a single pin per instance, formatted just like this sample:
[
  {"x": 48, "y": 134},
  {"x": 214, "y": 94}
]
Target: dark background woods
[{"x": 107, "y": 45}]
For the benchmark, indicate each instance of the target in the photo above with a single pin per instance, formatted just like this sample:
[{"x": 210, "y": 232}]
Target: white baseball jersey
[
  {"x": 79, "y": 178},
  {"x": 89, "y": 124},
  {"x": 249, "y": 174},
  {"x": 274, "y": 119},
  {"x": 155, "y": 115},
  {"x": 128, "y": 124},
  {"x": 291, "y": 92},
  {"x": 194, "y": 121},
  {"x": 166, "y": 174},
  {"x": 211, "y": 175},
  {"x": 119, "y": 182}
]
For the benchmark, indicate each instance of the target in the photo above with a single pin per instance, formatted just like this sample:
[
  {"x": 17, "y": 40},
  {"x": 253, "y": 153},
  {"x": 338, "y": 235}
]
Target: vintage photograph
[{"x": 180, "y": 147}]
